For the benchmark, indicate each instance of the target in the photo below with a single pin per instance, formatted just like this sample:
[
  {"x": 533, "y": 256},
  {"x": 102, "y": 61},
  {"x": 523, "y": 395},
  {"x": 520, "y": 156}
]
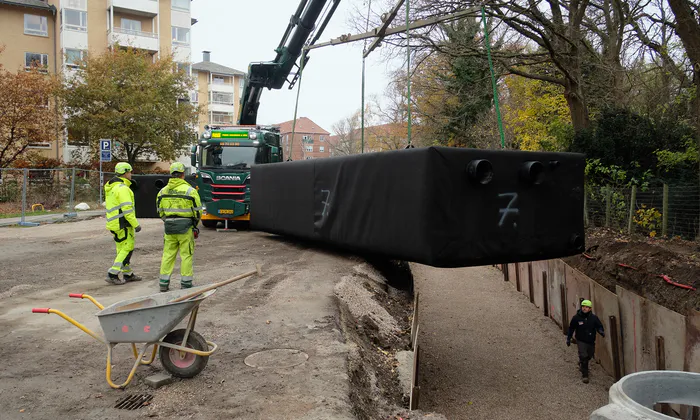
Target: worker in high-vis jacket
[
  {"x": 122, "y": 223},
  {"x": 180, "y": 208}
]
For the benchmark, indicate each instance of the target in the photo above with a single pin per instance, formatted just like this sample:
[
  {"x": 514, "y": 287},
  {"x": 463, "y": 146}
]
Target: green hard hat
[
  {"x": 122, "y": 168},
  {"x": 587, "y": 303},
  {"x": 177, "y": 167}
]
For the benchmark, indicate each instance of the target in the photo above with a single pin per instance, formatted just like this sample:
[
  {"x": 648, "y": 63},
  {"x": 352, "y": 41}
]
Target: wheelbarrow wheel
[{"x": 190, "y": 365}]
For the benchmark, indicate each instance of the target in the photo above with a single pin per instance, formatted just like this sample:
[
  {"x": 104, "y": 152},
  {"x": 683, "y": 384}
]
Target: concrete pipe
[{"x": 634, "y": 396}]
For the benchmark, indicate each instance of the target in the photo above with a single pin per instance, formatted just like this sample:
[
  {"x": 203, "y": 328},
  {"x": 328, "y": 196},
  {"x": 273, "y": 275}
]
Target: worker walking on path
[
  {"x": 122, "y": 223},
  {"x": 180, "y": 208},
  {"x": 585, "y": 323}
]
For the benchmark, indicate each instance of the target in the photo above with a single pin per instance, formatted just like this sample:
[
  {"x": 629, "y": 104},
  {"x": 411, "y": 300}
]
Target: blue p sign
[{"x": 105, "y": 145}]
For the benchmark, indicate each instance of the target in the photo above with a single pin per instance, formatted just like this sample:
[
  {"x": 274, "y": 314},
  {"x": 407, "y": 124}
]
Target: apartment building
[
  {"x": 57, "y": 34},
  {"x": 217, "y": 93},
  {"x": 310, "y": 140}
]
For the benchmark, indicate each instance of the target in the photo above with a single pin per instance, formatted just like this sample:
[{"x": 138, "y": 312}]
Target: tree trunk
[
  {"x": 577, "y": 105},
  {"x": 688, "y": 30}
]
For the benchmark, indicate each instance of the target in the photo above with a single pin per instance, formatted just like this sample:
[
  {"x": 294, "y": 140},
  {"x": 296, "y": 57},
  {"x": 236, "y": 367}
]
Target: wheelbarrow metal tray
[{"x": 147, "y": 319}]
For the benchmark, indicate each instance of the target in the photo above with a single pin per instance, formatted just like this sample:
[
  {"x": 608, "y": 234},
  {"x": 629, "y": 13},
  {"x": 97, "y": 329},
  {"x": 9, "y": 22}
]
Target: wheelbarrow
[{"x": 150, "y": 320}]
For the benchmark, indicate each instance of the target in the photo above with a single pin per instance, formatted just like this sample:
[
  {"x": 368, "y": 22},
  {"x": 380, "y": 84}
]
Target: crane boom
[{"x": 273, "y": 74}]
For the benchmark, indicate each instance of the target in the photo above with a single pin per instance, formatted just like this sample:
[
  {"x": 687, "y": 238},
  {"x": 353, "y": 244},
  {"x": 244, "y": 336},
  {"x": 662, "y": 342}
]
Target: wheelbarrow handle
[
  {"x": 257, "y": 271},
  {"x": 69, "y": 319},
  {"x": 84, "y": 296}
]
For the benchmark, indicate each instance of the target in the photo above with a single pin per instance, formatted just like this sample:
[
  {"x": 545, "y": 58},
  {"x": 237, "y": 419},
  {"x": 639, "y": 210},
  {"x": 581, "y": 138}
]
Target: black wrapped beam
[
  {"x": 146, "y": 189},
  {"x": 444, "y": 207}
]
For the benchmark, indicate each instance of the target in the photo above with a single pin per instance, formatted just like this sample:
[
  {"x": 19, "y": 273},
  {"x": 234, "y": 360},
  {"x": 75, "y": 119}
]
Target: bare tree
[
  {"x": 557, "y": 41},
  {"x": 347, "y": 139}
]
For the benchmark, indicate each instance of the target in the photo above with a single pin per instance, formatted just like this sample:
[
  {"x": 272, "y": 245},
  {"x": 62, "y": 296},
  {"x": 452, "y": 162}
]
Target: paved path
[
  {"x": 50, "y": 218},
  {"x": 488, "y": 353}
]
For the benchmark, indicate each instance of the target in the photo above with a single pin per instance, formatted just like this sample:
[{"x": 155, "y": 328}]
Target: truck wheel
[
  {"x": 211, "y": 224},
  {"x": 191, "y": 364}
]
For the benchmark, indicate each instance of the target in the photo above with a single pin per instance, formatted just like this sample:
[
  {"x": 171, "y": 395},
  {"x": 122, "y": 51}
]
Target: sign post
[{"x": 105, "y": 156}]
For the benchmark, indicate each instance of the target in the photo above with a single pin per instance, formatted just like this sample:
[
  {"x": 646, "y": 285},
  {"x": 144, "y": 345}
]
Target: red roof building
[{"x": 310, "y": 140}]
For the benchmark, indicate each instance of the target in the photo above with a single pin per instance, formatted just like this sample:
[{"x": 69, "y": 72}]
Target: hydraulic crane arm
[{"x": 272, "y": 75}]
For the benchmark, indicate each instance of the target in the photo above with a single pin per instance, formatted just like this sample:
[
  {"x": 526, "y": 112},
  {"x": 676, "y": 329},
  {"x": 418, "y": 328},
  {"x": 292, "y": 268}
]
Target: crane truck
[{"x": 225, "y": 154}]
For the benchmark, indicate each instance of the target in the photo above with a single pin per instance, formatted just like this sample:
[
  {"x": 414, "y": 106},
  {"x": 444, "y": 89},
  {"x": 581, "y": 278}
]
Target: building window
[
  {"x": 36, "y": 59},
  {"x": 75, "y": 20},
  {"x": 194, "y": 97},
  {"x": 321, "y": 149},
  {"x": 181, "y": 4},
  {"x": 241, "y": 86},
  {"x": 221, "y": 118},
  {"x": 322, "y": 138},
  {"x": 222, "y": 98},
  {"x": 308, "y": 158},
  {"x": 181, "y": 35},
  {"x": 39, "y": 145},
  {"x": 131, "y": 26},
  {"x": 307, "y": 139},
  {"x": 74, "y": 57},
  {"x": 184, "y": 67},
  {"x": 77, "y": 4},
  {"x": 309, "y": 148},
  {"x": 218, "y": 80},
  {"x": 36, "y": 25}
]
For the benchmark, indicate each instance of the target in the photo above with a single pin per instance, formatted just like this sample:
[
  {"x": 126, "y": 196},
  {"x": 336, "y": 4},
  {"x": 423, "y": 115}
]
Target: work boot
[
  {"x": 164, "y": 288},
  {"x": 585, "y": 379},
  {"x": 132, "y": 277},
  {"x": 114, "y": 279}
]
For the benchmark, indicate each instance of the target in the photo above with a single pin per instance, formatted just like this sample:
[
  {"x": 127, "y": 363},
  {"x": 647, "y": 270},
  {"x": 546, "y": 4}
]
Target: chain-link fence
[
  {"x": 656, "y": 210},
  {"x": 26, "y": 192}
]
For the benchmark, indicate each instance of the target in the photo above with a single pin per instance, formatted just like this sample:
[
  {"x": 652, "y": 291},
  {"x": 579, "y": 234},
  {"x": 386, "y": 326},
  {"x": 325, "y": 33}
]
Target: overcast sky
[{"x": 240, "y": 32}]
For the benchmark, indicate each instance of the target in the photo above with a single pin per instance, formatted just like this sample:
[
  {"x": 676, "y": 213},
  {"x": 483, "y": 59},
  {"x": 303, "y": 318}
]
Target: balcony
[
  {"x": 136, "y": 39},
  {"x": 147, "y": 8},
  {"x": 221, "y": 87},
  {"x": 221, "y": 107}
]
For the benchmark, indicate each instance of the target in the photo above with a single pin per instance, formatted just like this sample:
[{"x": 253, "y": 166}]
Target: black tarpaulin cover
[{"x": 423, "y": 205}]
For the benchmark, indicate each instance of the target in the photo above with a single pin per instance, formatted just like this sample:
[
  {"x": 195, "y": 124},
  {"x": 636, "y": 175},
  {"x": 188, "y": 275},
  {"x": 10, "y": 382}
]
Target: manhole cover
[
  {"x": 276, "y": 358},
  {"x": 133, "y": 402}
]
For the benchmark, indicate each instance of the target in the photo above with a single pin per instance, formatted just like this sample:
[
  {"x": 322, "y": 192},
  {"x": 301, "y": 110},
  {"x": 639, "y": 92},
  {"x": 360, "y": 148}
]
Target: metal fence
[
  {"x": 658, "y": 210},
  {"x": 26, "y": 192}
]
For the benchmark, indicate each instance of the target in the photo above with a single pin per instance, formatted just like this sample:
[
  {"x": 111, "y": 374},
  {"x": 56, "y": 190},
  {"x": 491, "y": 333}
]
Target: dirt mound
[{"x": 650, "y": 258}]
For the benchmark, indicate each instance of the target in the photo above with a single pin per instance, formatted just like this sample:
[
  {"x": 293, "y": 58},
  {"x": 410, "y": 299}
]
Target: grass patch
[{"x": 26, "y": 214}]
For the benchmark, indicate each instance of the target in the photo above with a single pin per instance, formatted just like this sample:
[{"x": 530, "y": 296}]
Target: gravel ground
[
  {"x": 488, "y": 353},
  {"x": 53, "y": 370}
]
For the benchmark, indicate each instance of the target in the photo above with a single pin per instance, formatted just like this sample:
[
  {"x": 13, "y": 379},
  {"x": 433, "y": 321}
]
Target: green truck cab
[{"x": 223, "y": 159}]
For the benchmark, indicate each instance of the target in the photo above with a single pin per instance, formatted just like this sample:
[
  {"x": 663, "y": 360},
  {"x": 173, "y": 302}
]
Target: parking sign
[{"x": 105, "y": 150}]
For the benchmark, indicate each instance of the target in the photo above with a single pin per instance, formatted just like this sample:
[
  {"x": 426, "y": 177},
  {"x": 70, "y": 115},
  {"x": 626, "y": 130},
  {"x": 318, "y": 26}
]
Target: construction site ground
[{"x": 486, "y": 352}]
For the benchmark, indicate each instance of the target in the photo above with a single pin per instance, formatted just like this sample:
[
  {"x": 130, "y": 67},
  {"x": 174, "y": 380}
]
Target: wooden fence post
[
  {"x": 585, "y": 208},
  {"x": 615, "y": 347},
  {"x": 517, "y": 276},
  {"x": 661, "y": 365},
  {"x": 633, "y": 199},
  {"x": 608, "y": 194},
  {"x": 564, "y": 309},
  {"x": 529, "y": 282},
  {"x": 544, "y": 294},
  {"x": 664, "y": 215}
]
